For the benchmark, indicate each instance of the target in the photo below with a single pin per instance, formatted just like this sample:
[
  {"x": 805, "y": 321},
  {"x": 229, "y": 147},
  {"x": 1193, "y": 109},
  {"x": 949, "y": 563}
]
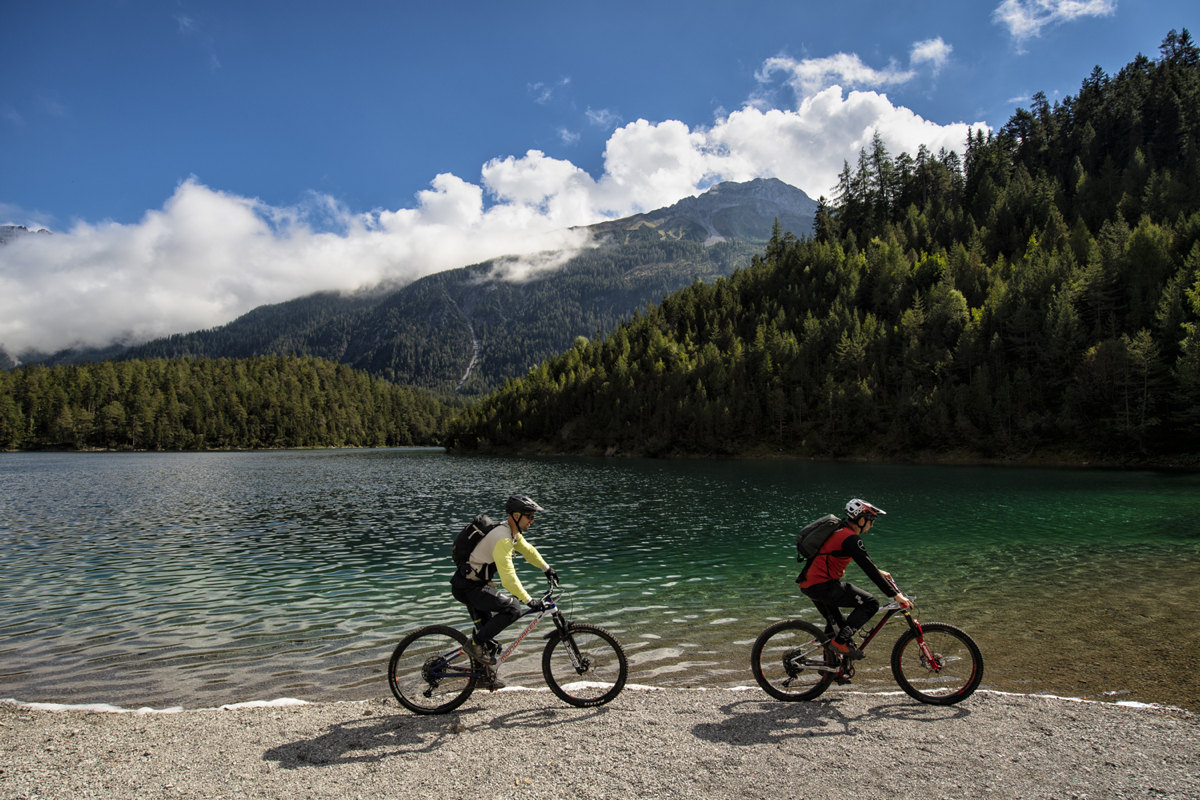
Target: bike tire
[
  {"x": 787, "y": 660},
  {"x": 958, "y": 670},
  {"x": 603, "y": 667},
  {"x": 430, "y": 673}
]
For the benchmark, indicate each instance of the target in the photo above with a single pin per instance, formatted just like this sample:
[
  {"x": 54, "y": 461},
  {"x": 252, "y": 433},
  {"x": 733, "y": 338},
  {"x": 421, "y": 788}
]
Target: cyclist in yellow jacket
[{"x": 472, "y": 584}]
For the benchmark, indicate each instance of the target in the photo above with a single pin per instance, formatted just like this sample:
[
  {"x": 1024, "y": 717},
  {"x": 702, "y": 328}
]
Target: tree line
[
  {"x": 1040, "y": 293},
  {"x": 201, "y": 404}
]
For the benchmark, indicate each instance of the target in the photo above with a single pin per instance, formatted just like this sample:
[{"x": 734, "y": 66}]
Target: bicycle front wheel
[
  {"x": 790, "y": 660},
  {"x": 585, "y": 668},
  {"x": 943, "y": 670},
  {"x": 429, "y": 672}
]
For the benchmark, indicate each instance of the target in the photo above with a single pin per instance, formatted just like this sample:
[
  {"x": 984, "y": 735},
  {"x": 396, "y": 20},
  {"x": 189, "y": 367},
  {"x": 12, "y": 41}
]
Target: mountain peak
[
  {"x": 10, "y": 233},
  {"x": 743, "y": 211}
]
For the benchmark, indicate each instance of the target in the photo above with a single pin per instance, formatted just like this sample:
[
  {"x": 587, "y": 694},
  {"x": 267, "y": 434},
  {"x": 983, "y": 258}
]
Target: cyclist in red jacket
[{"x": 821, "y": 578}]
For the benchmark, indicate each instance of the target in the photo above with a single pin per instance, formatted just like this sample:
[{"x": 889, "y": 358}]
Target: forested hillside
[
  {"x": 467, "y": 330},
  {"x": 1039, "y": 295},
  {"x": 198, "y": 404}
]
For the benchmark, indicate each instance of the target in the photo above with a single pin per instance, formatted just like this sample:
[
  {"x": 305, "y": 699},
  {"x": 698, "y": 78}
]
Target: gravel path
[{"x": 646, "y": 743}]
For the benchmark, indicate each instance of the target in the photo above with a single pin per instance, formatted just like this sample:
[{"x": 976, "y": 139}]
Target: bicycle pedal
[{"x": 842, "y": 681}]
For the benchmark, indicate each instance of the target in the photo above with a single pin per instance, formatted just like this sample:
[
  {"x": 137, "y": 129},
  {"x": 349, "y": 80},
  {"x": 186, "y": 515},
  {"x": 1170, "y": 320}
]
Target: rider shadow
[
  {"x": 369, "y": 740},
  {"x": 754, "y": 722}
]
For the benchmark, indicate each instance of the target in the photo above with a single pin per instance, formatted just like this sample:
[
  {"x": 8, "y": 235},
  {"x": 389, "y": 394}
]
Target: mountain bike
[
  {"x": 932, "y": 662},
  {"x": 584, "y": 665}
]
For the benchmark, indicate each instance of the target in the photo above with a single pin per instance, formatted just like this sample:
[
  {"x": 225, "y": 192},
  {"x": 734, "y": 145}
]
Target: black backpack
[
  {"x": 470, "y": 536},
  {"x": 813, "y": 535}
]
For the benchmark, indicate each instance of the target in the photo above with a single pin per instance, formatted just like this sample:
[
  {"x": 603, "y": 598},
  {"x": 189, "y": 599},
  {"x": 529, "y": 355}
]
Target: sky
[{"x": 194, "y": 160}]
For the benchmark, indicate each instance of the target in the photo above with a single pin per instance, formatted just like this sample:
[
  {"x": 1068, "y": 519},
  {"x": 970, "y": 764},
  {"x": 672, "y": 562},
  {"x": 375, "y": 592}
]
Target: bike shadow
[
  {"x": 372, "y": 739},
  {"x": 759, "y": 721},
  {"x": 545, "y": 717}
]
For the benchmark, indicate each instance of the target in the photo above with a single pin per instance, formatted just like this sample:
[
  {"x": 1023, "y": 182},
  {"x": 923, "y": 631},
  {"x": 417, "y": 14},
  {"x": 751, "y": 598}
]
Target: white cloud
[
  {"x": 189, "y": 28},
  {"x": 812, "y": 75},
  {"x": 647, "y": 164},
  {"x": 603, "y": 118},
  {"x": 208, "y": 256},
  {"x": 543, "y": 92},
  {"x": 518, "y": 269},
  {"x": 1026, "y": 19},
  {"x": 931, "y": 51},
  {"x": 807, "y": 147}
]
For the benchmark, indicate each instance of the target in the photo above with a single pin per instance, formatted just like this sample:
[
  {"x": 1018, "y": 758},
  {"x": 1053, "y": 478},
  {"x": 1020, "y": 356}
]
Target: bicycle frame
[
  {"x": 551, "y": 608},
  {"x": 936, "y": 663},
  {"x": 890, "y": 610}
]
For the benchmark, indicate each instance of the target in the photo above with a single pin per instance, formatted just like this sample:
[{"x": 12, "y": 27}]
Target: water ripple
[{"x": 208, "y": 578}]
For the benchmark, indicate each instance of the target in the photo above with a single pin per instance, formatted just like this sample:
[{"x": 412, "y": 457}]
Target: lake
[{"x": 198, "y": 579}]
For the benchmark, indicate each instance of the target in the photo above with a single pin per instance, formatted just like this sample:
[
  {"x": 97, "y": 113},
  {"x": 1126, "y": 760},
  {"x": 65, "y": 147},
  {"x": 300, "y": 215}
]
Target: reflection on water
[{"x": 205, "y": 578}]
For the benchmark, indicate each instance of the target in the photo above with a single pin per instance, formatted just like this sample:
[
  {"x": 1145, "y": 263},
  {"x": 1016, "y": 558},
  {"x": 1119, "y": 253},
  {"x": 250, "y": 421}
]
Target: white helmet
[{"x": 857, "y": 508}]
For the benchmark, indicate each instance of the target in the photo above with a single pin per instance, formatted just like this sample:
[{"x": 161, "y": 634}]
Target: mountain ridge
[{"x": 468, "y": 330}]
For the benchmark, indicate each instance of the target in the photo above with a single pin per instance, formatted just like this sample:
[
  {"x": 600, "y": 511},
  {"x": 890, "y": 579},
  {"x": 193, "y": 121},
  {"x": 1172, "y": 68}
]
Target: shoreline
[
  {"x": 950, "y": 458},
  {"x": 647, "y": 742},
  {"x": 1049, "y": 459},
  {"x": 292, "y": 702}
]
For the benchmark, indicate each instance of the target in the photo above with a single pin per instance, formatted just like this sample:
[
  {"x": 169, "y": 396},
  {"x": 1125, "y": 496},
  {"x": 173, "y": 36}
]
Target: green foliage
[
  {"x": 1040, "y": 292},
  {"x": 199, "y": 404}
]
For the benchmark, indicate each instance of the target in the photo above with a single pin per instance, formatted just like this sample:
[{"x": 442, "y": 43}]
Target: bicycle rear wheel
[
  {"x": 943, "y": 672},
  {"x": 585, "y": 668},
  {"x": 790, "y": 660},
  {"x": 429, "y": 672}
]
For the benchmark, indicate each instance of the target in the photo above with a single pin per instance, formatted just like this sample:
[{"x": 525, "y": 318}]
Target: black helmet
[{"x": 521, "y": 503}]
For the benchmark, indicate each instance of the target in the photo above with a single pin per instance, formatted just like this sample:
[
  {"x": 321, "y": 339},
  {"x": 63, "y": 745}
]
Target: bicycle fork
[
  {"x": 578, "y": 662},
  {"x": 928, "y": 657}
]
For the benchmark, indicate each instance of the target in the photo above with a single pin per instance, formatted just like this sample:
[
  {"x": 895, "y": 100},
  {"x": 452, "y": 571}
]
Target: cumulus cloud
[
  {"x": 1026, "y": 19},
  {"x": 934, "y": 52},
  {"x": 807, "y": 147},
  {"x": 208, "y": 256}
]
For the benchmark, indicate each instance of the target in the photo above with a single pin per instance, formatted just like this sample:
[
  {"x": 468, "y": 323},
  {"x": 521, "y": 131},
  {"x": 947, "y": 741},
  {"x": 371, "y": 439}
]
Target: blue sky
[{"x": 196, "y": 159}]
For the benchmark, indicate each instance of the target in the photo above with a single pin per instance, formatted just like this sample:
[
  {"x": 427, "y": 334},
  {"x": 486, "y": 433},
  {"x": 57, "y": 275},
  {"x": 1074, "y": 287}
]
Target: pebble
[{"x": 646, "y": 743}]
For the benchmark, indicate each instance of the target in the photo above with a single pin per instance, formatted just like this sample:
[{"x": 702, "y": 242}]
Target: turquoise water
[{"x": 206, "y": 578}]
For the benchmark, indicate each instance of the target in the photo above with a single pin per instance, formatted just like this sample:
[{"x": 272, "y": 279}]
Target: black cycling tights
[
  {"x": 493, "y": 610},
  {"x": 831, "y": 596}
]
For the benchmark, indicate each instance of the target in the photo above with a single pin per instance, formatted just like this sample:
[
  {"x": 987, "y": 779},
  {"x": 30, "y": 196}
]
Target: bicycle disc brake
[{"x": 933, "y": 661}]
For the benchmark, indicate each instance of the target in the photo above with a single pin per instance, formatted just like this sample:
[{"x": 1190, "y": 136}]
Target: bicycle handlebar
[
  {"x": 896, "y": 588},
  {"x": 549, "y": 600}
]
